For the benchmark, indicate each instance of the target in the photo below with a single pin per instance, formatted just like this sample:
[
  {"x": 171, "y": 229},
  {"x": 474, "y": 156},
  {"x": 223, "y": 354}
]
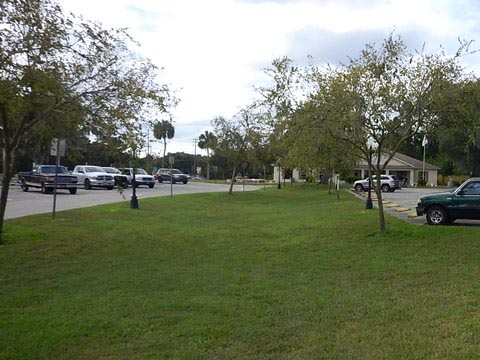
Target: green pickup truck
[{"x": 445, "y": 208}]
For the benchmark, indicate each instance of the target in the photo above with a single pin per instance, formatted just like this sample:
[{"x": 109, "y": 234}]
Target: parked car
[
  {"x": 387, "y": 183},
  {"x": 173, "y": 175},
  {"x": 446, "y": 207},
  {"x": 93, "y": 176},
  {"x": 43, "y": 177},
  {"x": 118, "y": 177},
  {"x": 141, "y": 177}
]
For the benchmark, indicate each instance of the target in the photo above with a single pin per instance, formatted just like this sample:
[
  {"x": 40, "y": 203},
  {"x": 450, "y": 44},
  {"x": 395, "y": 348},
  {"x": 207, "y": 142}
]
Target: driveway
[
  {"x": 406, "y": 198},
  {"x": 34, "y": 202}
]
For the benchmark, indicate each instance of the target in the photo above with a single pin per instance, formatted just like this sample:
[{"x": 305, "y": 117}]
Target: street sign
[{"x": 60, "y": 145}]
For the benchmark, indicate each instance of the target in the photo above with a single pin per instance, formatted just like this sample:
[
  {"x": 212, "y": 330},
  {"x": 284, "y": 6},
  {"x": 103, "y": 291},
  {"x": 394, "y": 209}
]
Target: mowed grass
[{"x": 290, "y": 274}]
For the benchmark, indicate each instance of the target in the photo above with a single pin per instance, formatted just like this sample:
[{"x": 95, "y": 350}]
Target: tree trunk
[
  {"x": 337, "y": 191},
  {"x": 7, "y": 176},
  {"x": 230, "y": 191}
]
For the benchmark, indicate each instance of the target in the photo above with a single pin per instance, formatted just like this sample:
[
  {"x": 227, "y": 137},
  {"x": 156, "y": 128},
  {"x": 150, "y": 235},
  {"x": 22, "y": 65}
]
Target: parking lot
[
  {"x": 34, "y": 202},
  {"x": 406, "y": 198}
]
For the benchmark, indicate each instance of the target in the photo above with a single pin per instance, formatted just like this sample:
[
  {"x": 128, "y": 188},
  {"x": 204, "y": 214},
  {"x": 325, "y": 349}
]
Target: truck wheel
[
  {"x": 109, "y": 187},
  {"x": 73, "y": 191},
  {"x": 185, "y": 181},
  {"x": 358, "y": 188},
  {"x": 87, "y": 184},
  {"x": 151, "y": 186},
  {"x": 436, "y": 215},
  {"x": 24, "y": 186},
  {"x": 385, "y": 188}
]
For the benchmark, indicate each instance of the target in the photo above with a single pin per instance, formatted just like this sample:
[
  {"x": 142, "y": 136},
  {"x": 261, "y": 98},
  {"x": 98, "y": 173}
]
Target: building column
[{"x": 412, "y": 178}]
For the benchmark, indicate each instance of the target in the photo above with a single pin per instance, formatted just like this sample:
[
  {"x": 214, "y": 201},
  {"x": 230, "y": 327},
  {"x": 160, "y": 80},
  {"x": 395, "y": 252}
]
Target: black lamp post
[
  {"x": 371, "y": 145},
  {"x": 369, "y": 203},
  {"x": 279, "y": 185},
  {"x": 134, "y": 199}
]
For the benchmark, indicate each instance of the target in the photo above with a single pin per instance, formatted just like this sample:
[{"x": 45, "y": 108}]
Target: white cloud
[{"x": 212, "y": 49}]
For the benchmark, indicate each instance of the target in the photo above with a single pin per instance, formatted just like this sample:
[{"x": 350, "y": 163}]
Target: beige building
[
  {"x": 400, "y": 165},
  {"x": 406, "y": 166}
]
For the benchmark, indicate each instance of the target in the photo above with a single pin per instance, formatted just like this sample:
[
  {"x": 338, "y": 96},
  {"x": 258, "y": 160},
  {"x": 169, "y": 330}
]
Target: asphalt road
[{"x": 34, "y": 202}]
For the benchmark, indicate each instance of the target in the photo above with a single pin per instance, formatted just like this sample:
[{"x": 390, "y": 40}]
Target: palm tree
[
  {"x": 207, "y": 141},
  {"x": 164, "y": 130}
]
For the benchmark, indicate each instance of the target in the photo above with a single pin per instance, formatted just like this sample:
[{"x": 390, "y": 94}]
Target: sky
[{"x": 214, "y": 52}]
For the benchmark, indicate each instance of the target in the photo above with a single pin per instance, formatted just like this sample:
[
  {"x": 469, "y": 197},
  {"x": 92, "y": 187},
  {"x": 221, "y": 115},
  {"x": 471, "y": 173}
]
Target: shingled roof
[{"x": 414, "y": 163}]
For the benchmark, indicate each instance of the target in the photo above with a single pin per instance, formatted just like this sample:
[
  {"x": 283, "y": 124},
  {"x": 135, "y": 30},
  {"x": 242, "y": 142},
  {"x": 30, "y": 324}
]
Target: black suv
[{"x": 173, "y": 175}]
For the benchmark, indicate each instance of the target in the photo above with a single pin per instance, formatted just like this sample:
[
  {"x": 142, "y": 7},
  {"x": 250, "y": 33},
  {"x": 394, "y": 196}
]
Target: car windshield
[
  {"x": 140, "y": 171},
  {"x": 51, "y": 170},
  {"x": 91, "y": 169},
  {"x": 111, "y": 170},
  {"x": 461, "y": 186},
  {"x": 176, "y": 171}
]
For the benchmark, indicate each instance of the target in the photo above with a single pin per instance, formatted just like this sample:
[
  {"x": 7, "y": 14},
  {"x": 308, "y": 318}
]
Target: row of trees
[
  {"x": 383, "y": 101},
  {"x": 64, "y": 77}
]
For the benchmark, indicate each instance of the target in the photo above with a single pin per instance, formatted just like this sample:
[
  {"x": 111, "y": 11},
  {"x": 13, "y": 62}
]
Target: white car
[
  {"x": 93, "y": 176},
  {"x": 141, "y": 177}
]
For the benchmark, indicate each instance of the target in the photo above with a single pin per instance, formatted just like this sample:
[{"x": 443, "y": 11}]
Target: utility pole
[
  {"x": 194, "y": 172},
  {"x": 148, "y": 142}
]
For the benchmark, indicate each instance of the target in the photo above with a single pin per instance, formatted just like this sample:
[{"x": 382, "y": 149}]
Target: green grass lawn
[{"x": 290, "y": 274}]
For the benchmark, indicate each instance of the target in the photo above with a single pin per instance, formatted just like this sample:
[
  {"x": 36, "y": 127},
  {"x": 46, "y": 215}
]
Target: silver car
[{"x": 387, "y": 183}]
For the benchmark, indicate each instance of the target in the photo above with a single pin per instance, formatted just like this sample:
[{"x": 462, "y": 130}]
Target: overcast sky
[{"x": 213, "y": 51}]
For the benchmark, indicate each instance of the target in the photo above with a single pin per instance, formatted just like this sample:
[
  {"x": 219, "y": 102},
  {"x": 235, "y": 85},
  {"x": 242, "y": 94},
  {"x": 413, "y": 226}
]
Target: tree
[
  {"x": 311, "y": 147},
  {"x": 237, "y": 139},
  {"x": 63, "y": 70},
  {"x": 383, "y": 98},
  {"x": 297, "y": 138},
  {"x": 278, "y": 103},
  {"x": 207, "y": 141},
  {"x": 164, "y": 130}
]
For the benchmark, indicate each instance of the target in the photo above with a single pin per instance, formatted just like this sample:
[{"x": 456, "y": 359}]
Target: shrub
[{"x": 350, "y": 179}]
